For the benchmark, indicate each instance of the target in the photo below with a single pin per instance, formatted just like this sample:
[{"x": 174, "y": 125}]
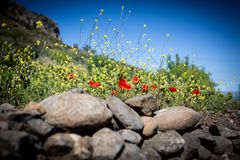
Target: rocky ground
[{"x": 78, "y": 126}]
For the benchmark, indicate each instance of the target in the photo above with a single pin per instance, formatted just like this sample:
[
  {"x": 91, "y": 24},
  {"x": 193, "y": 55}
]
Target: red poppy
[
  {"x": 172, "y": 89},
  {"x": 71, "y": 76},
  {"x": 123, "y": 84},
  {"x": 135, "y": 79},
  {"x": 196, "y": 91},
  {"x": 154, "y": 86},
  {"x": 144, "y": 87},
  {"x": 114, "y": 92},
  {"x": 94, "y": 84}
]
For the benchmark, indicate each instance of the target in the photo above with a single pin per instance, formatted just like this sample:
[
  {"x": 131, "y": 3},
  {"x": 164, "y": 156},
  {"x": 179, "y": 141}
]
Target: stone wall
[{"x": 76, "y": 126}]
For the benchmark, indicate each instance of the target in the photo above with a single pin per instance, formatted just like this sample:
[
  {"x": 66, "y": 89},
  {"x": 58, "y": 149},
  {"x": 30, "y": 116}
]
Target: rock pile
[{"x": 78, "y": 126}]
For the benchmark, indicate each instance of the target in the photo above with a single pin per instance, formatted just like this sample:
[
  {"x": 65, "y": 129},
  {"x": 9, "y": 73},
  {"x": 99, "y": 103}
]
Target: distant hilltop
[{"x": 22, "y": 24}]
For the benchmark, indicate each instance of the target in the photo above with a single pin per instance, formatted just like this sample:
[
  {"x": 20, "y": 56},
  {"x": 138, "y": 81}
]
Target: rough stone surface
[
  {"x": 165, "y": 142},
  {"x": 144, "y": 105},
  {"x": 130, "y": 136},
  {"x": 183, "y": 118},
  {"x": 17, "y": 145},
  {"x": 106, "y": 144},
  {"x": 191, "y": 146},
  {"x": 219, "y": 157},
  {"x": 220, "y": 146},
  {"x": 124, "y": 114},
  {"x": 151, "y": 153},
  {"x": 76, "y": 112},
  {"x": 131, "y": 152},
  {"x": 203, "y": 153},
  {"x": 39, "y": 127},
  {"x": 149, "y": 126}
]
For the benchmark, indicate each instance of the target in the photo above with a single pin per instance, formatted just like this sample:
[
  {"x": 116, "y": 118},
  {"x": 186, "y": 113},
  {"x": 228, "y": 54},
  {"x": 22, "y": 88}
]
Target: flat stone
[
  {"x": 76, "y": 112},
  {"x": 3, "y": 125},
  {"x": 149, "y": 126},
  {"x": 6, "y": 107},
  {"x": 106, "y": 144},
  {"x": 131, "y": 152},
  {"x": 128, "y": 118},
  {"x": 144, "y": 105},
  {"x": 165, "y": 142},
  {"x": 130, "y": 136},
  {"x": 176, "y": 118}
]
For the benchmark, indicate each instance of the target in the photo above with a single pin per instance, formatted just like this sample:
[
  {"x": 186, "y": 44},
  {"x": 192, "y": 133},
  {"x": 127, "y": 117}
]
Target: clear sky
[{"x": 208, "y": 31}]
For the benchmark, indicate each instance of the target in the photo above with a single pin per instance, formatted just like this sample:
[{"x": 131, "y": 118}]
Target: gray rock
[
  {"x": 228, "y": 133},
  {"x": 203, "y": 153},
  {"x": 221, "y": 145},
  {"x": 191, "y": 146},
  {"x": 165, "y": 142},
  {"x": 149, "y": 126},
  {"x": 76, "y": 112},
  {"x": 131, "y": 152},
  {"x": 39, "y": 127},
  {"x": 183, "y": 118},
  {"x": 130, "y": 136},
  {"x": 58, "y": 145},
  {"x": 144, "y": 105},
  {"x": 205, "y": 138},
  {"x": 106, "y": 144},
  {"x": 236, "y": 145},
  {"x": 151, "y": 154},
  {"x": 124, "y": 114},
  {"x": 17, "y": 145}
]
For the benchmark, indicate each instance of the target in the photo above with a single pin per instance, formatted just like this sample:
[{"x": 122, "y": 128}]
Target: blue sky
[{"x": 207, "y": 31}]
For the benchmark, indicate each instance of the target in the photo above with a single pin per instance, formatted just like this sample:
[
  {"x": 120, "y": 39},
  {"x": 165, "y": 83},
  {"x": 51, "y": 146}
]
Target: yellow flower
[
  {"x": 3, "y": 25},
  {"x": 39, "y": 24}
]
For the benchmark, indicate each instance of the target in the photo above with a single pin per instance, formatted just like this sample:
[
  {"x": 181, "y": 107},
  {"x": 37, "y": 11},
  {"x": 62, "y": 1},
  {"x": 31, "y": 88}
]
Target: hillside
[{"x": 18, "y": 25}]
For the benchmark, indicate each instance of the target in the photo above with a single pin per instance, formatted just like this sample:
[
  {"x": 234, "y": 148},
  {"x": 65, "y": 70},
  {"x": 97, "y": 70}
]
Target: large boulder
[
  {"x": 106, "y": 144},
  {"x": 76, "y": 112},
  {"x": 150, "y": 126},
  {"x": 165, "y": 142},
  {"x": 176, "y": 118},
  {"x": 151, "y": 153},
  {"x": 144, "y": 105},
  {"x": 128, "y": 118}
]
